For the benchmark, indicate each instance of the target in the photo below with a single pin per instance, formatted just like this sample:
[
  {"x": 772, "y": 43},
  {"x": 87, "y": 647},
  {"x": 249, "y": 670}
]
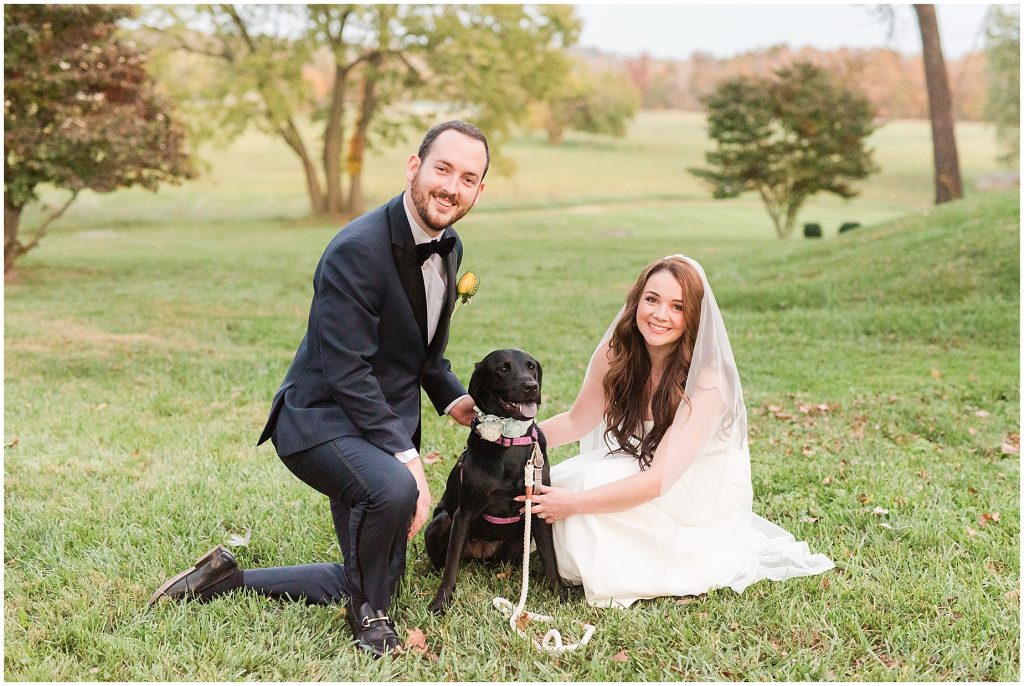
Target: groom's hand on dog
[
  {"x": 423, "y": 501},
  {"x": 463, "y": 411}
]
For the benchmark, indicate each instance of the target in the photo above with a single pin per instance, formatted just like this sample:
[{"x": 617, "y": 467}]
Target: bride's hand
[{"x": 551, "y": 503}]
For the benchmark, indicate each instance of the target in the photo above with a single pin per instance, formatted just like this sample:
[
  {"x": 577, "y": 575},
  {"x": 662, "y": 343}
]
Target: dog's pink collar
[{"x": 502, "y": 520}]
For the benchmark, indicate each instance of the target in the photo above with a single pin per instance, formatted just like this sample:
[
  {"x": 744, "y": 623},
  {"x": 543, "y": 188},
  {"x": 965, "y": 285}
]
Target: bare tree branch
[{"x": 23, "y": 248}]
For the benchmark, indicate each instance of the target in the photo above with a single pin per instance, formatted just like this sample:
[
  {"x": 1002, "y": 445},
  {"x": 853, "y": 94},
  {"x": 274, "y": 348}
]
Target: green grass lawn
[{"x": 146, "y": 336}]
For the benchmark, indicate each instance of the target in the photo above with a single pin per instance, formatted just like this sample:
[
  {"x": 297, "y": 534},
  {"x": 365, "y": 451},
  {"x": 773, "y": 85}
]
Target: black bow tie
[{"x": 441, "y": 247}]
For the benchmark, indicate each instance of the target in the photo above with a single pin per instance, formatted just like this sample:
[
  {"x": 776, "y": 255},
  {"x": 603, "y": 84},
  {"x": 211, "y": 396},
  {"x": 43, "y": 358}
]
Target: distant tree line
[{"x": 894, "y": 83}]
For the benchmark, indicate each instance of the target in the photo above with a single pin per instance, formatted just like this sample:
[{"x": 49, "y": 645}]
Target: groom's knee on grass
[{"x": 395, "y": 497}]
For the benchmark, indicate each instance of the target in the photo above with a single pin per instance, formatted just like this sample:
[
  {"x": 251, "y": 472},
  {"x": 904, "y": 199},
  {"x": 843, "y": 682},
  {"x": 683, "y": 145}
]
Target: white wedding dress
[{"x": 699, "y": 535}]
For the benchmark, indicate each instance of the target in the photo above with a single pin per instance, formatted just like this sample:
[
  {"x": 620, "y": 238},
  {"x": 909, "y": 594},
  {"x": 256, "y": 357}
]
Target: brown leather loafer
[
  {"x": 195, "y": 582},
  {"x": 374, "y": 631}
]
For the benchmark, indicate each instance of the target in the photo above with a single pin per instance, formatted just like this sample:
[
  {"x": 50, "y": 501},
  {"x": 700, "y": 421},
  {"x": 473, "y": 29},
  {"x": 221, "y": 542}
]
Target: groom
[{"x": 346, "y": 420}]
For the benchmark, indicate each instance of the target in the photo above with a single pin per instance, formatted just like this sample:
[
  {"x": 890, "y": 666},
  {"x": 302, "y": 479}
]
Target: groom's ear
[{"x": 412, "y": 165}]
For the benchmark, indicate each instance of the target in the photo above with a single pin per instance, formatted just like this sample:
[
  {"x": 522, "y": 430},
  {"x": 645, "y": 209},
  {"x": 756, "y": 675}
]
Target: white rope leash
[{"x": 553, "y": 636}]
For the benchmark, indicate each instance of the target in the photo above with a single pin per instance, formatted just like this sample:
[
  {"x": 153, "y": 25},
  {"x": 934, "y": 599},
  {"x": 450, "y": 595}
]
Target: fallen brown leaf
[
  {"x": 415, "y": 640},
  {"x": 1011, "y": 444},
  {"x": 14, "y": 442},
  {"x": 936, "y": 374},
  {"x": 981, "y": 413},
  {"x": 1014, "y": 596},
  {"x": 775, "y": 408},
  {"x": 825, "y": 583},
  {"x": 431, "y": 457},
  {"x": 501, "y": 575},
  {"x": 101, "y": 406},
  {"x": 863, "y": 498},
  {"x": 523, "y": 621},
  {"x": 734, "y": 626},
  {"x": 808, "y": 519},
  {"x": 827, "y": 480},
  {"x": 972, "y": 431},
  {"x": 988, "y": 517},
  {"x": 621, "y": 656}
]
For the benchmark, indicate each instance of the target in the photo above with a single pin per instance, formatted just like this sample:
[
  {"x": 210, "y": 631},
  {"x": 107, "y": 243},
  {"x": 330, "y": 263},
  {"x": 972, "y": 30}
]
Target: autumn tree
[
  {"x": 80, "y": 112},
  {"x": 787, "y": 138},
  {"x": 1002, "y": 106},
  {"x": 598, "y": 103},
  {"x": 487, "y": 60}
]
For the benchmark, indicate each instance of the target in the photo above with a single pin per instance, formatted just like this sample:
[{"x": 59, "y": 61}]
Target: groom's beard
[{"x": 421, "y": 201}]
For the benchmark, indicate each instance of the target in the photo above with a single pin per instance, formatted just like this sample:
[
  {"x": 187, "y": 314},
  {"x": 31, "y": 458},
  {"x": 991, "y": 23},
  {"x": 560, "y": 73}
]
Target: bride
[{"x": 658, "y": 503}]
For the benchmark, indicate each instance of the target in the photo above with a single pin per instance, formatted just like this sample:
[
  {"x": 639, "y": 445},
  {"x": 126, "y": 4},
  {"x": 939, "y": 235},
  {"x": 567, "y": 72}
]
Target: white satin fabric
[{"x": 698, "y": 536}]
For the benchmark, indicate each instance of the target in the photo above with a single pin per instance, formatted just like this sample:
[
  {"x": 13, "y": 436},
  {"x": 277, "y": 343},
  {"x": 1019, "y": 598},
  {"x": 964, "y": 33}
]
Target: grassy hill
[{"x": 962, "y": 251}]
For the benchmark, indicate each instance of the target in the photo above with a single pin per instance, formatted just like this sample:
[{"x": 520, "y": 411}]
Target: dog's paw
[
  {"x": 440, "y": 604},
  {"x": 559, "y": 588}
]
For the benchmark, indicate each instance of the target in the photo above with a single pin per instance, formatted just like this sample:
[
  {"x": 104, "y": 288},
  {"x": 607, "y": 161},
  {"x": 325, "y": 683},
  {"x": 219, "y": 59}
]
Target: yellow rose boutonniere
[{"x": 466, "y": 289}]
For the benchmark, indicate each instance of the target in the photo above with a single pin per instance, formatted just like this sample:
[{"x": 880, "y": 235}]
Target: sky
[{"x": 723, "y": 30}]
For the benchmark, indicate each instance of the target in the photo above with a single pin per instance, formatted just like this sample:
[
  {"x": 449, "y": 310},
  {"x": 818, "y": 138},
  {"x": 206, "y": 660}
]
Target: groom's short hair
[{"x": 465, "y": 128}]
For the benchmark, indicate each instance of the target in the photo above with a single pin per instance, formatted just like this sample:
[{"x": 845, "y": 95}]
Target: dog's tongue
[{"x": 528, "y": 410}]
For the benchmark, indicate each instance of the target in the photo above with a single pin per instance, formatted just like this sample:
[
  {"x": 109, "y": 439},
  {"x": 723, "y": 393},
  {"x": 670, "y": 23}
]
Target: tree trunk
[
  {"x": 292, "y": 137},
  {"x": 333, "y": 140},
  {"x": 940, "y": 108},
  {"x": 775, "y": 211},
  {"x": 555, "y": 133},
  {"x": 12, "y": 218},
  {"x": 357, "y": 145}
]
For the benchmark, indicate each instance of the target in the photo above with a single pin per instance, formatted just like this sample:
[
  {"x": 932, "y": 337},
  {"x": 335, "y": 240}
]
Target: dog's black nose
[{"x": 530, "y": 386}]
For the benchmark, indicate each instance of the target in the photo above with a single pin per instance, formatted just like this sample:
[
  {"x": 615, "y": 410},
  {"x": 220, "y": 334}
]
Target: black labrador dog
[{"x": 477, "y": 516}]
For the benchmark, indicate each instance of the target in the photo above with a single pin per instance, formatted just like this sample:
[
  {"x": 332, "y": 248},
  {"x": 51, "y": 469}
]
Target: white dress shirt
[{"x": 435, "y": 279}]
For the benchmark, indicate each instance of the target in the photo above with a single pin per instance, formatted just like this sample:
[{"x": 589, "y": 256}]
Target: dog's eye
[
  {"x": 506, "y": 367},
  {"x": 531, "y": 366}
]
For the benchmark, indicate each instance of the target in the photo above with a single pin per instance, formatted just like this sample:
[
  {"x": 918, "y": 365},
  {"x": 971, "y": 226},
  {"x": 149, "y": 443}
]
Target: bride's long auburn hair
[{"x": 627, "y": 380}]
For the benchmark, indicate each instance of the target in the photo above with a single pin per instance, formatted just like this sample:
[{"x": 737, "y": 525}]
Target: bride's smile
[{"x": 659, "y": 314}]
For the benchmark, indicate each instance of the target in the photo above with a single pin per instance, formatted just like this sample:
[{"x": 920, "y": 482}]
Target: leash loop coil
[{"x": 552, "y": 641}]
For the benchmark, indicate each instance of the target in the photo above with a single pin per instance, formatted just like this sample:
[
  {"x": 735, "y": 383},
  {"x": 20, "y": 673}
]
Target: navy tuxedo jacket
[{"x": 359, "y": 368}]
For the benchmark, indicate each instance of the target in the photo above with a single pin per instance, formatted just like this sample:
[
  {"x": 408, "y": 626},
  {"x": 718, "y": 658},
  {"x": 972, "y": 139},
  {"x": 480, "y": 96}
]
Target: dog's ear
[
  {"x": 474, "y": 382},
  {"x": 540, "y": 374}
]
